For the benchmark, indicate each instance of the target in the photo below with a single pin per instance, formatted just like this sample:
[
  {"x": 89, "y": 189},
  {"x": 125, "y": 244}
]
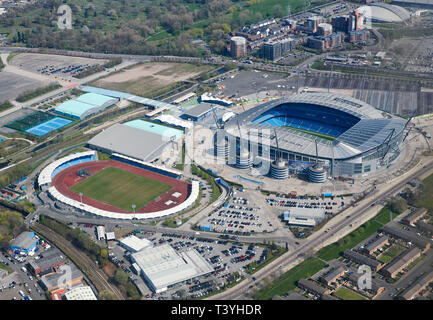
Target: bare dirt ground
[{"x": 164, "y": 73}]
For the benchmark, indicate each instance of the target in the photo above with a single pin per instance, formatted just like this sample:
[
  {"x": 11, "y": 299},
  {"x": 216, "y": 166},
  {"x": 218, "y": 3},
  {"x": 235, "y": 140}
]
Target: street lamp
[
  {"x": 133, "y": 207},
  {"x": 81, "y": 197}
]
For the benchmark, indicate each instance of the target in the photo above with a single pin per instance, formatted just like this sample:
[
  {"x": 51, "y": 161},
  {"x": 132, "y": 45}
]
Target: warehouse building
[
  {"x": 25, "y": 242},
  {"x": 57, "y": 280},
  {"x": 199, "y": 112},
  {"x": 85, "y": 105},
  {"x": 134, "y": 244},
  {"x": 80, "y": 293},
  {"x": 162, "y": 267},
  {"x": 129, "y": 141},
  {"x": 402, "y": 261},
  {"x": 48, "y": 264},
  {"x": 361, "y": 259}
]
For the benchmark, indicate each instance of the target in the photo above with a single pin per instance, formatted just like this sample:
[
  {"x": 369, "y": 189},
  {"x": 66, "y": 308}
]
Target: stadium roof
[
  {"x": 46, "y": 174},
  {"x": 371, "y": 131},
  {"x": 383, "y": 12},
  {"x": 130, "y": 141},
  {"x": 163, "y": 266}
]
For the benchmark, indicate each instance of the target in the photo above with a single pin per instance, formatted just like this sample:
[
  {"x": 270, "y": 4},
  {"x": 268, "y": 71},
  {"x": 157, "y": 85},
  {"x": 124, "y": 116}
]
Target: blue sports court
[{"x": 48, "y": 126}]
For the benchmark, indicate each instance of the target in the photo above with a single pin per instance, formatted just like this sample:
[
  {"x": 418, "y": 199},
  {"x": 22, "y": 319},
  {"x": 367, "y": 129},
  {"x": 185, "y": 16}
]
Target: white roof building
[
  {"x": 100, "y": 230},
  {"x": 162, "y": 266},
  {"x": 110, "y": 236},
  {"x": 80, "y": 293},
  {"x": 134, "y": 244}
]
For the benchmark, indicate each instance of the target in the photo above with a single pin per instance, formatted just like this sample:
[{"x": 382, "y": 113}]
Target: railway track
[{"x": 87, "y": 266}]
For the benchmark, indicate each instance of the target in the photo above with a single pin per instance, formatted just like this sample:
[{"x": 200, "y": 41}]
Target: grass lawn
[
  {"x": 347, "y": 294},
  {"x": 426, "y": 200},
  {"x": 4, "y": 267},
  {"x": 383, "y": 215},
  {"x": 335, "y": 249},
  {"x": 391, "y": 253},
  {"x": 289, "y": 279},
  {"x": 121, "y": 188}
]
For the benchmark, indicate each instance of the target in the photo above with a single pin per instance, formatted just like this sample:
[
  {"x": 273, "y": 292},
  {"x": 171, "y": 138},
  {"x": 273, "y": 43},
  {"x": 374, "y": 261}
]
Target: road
[
  {"x": 87, "y": 266},
  {"x": 292, "y": 258}
]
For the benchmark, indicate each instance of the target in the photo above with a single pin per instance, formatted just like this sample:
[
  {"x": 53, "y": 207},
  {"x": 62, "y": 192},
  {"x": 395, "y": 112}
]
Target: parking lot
[
  {"x": 63, "y": 67},
  {"x": 20, "y": 285},
  {"x": 224, "y": 256},
  {"x": 244, "y": 214}
]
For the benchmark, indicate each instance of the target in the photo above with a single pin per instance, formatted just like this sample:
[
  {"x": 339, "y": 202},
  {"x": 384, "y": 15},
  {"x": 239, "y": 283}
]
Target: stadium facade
[{"x": 344, "y": 136}]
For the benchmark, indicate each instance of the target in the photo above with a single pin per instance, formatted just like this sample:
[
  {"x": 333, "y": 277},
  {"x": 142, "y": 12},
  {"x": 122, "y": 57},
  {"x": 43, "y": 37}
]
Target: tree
[
  {"x": 398, "y": 205},
  {"x": 120, "y": 277},
  {"x": 106, "y": 295}
]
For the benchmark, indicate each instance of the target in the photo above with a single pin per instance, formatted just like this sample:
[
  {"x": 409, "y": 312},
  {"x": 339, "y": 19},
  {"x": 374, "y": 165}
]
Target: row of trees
[
  {"x": 11, "y": 225},
  {"x": 133, "y": 26}
]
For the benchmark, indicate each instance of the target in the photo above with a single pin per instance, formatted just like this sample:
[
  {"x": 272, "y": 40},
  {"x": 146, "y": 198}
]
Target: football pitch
[{"x": 121, "y": 188}]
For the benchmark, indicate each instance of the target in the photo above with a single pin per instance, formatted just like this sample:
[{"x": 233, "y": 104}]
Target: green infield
[
  {"x": 121, "y": 188},
  {"x": 347, "y": 294}
]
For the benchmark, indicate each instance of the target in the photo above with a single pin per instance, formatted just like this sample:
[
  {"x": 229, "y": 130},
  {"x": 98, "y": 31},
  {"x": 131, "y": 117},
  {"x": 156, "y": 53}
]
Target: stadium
[
  {"x": 119, "y": 188},
  {"x": 322, "y": 134}
]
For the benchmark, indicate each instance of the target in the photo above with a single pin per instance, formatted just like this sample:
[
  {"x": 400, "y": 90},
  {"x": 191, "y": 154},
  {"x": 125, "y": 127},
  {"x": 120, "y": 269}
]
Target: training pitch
[{"x": 121, "y": 188}]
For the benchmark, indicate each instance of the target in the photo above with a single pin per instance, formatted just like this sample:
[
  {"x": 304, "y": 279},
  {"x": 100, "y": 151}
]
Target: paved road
[
  {"x": 92, "y": 271},
  {"x": 293, "y": 258}
]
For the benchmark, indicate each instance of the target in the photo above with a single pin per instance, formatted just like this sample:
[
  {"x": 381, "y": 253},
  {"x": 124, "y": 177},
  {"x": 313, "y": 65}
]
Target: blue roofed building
[
  {"x": 25, "y": 242},
  {"x": 155, "y": 128},
  {"x": 85, "y": 105}
]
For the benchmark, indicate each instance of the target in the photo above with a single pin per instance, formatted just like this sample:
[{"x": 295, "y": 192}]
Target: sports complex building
[
  {"x": 119, "y": 188},
  {"x": 85, "y": 105},
  {"x": 323, "y": 133}
]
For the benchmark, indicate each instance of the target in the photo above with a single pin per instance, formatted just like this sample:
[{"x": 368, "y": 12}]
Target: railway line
[{"x": 87, "y": 266}]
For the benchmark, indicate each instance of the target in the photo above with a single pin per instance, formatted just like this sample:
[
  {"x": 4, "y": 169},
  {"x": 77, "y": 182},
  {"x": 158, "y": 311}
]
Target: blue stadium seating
[
  {"x": 309, "y": 117},
  {"x": 71, "y": 163}
]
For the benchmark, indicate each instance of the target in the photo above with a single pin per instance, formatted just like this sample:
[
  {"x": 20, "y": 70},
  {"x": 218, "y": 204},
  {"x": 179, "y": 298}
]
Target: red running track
[{"x": 68, "y": 177}]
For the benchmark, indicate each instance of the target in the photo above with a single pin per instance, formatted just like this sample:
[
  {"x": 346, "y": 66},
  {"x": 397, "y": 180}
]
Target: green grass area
[
  {"x": 334, "y": 250},
  {"x": 347, "y": 294},
  {"x": 289, "y": 279},
  {"x": 391, "y": 253},
  {"x": 320, "y": 135},
  {"x": 426, "y": 199},
  {"x": 5, "y": 106},
  {"x": 4, "y": 267},
  {"x": 121, "y": 188},
  {"x": 28, "y": 95},
  {"x": 384, "y": 215}
]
